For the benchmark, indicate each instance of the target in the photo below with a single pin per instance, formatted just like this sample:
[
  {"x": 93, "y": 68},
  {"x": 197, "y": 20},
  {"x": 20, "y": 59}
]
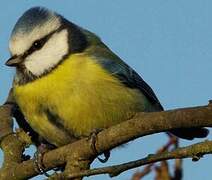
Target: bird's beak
[{"x": 14, "y": 61}]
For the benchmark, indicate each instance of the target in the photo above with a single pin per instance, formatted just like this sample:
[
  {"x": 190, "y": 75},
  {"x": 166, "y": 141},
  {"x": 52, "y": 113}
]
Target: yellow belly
[{"x": 83, "y": 97}]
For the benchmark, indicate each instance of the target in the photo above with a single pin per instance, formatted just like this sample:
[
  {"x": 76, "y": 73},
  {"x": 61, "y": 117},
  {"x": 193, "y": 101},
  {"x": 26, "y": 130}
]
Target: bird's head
[{"x": 41, "y": 40}]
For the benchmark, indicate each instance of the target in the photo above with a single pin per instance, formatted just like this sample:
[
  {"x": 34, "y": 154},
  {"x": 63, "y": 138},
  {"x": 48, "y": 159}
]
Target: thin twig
[{"x": 198, "y": 149}]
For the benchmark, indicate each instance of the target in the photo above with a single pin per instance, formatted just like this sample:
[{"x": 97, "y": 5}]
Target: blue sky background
[{"x": 169, "y": 43}]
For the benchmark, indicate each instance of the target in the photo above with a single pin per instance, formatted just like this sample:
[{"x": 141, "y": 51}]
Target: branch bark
[
  {"x": 139, "y": 125},
  {"x": 195, "y": 151}
]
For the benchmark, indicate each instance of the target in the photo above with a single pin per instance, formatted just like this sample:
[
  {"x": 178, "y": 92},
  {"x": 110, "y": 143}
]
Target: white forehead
[{"x": 21, "y": 41}]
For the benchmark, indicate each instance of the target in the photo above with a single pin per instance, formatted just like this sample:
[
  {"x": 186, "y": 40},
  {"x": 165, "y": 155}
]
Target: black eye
[{"x": 37, "y": 45}]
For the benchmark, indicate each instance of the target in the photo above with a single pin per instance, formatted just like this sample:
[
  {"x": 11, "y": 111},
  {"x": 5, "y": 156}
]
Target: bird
[{"x": 69, "y": 83}]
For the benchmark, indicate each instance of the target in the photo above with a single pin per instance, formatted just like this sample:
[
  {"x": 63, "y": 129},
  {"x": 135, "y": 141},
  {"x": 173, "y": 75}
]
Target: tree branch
[
  {"x": 172, "y": 141},
  {"x": 195, "y": 151},
  {"x": 140, "y": 125}
]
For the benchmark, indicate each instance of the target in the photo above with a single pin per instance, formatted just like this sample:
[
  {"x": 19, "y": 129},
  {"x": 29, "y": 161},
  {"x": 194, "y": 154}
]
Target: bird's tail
[{"x": 190, "y": 133}]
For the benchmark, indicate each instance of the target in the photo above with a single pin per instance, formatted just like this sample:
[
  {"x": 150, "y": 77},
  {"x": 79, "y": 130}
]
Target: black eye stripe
[{"x": 38, "y": 44}]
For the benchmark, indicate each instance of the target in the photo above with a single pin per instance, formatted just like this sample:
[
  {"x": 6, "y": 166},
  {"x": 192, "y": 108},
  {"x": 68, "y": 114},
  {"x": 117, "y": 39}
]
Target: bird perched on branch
[{"x": 69, "y": 83}]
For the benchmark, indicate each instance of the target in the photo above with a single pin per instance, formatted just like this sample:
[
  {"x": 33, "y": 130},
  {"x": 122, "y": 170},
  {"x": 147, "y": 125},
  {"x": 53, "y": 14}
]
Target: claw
[
  {"x": 25, "y": 157},
  {"x": 106, "y": 157},
  {"x": 93, "y": 138},
  {"x": 38, "y": 160},
  {"x": 197, "y": 157}
]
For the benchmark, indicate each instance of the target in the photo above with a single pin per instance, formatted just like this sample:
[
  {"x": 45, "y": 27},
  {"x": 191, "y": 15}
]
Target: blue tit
[{"x": 68, "y": 82}]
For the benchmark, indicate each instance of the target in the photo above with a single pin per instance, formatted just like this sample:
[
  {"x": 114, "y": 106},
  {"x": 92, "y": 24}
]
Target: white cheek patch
[{"x": 50, "y": 55}]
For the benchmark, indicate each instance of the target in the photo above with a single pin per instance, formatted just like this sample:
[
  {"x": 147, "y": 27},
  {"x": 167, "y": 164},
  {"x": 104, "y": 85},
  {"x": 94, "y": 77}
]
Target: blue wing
[{"x": 125, "y": 73}]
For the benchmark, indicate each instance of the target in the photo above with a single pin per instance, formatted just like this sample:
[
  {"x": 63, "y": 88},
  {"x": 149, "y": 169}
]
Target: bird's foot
[
  {"x": 197, "y": 157},
  {"x": 93, "y": 139},
  {"x": 25, "y": 157},
  {"x": 38, "y": 159}
]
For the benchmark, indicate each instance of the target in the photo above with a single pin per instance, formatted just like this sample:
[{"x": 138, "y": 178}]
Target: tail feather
[{"x": 190, "y": 133}]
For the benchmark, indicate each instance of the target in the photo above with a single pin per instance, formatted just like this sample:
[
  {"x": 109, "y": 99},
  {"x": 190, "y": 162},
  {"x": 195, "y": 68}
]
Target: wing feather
[{"x": 125, "y": 73}]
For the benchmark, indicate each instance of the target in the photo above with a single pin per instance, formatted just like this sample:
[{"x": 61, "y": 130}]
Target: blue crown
[{"x": 33, "y": 17}]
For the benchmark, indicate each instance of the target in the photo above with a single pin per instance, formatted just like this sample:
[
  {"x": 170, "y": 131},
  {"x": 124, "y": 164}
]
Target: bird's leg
[
  {"x": 38, "y": 158},
  {"x": 93, "y": 139}
]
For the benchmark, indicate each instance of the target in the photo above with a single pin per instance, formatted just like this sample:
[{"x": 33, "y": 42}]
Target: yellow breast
[{"x": 81, "y": 95}]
